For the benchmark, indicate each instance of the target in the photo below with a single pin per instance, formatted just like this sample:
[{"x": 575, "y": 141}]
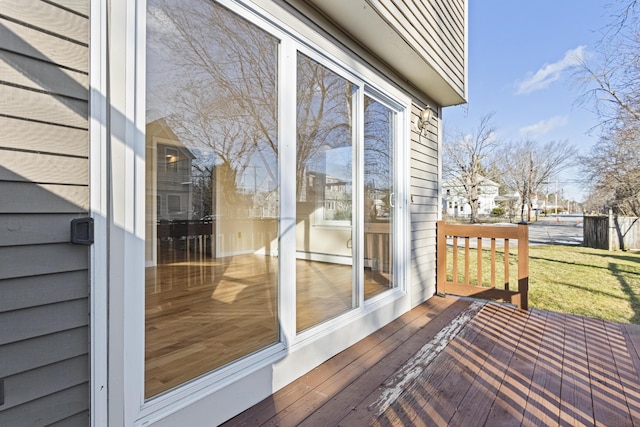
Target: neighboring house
[
  {"x": 260, "y": 96},
  {"x": 512, "y": 203},
  {"x": 169, "y": 172},
  {"x": 454, "y": 197}
]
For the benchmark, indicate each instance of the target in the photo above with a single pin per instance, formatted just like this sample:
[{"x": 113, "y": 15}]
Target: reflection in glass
[
  {"x": 212, "y": 198},
  {"x": 379, "y": 197},
  {"x": 324, "y": 278}
]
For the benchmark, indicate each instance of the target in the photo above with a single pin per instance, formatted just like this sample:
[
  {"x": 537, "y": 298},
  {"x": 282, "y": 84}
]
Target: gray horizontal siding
[
  {"x": 31, "y": 291},
  {"x": 42, "y": 137},
  {"x": 26, "y": 261},
  {"x": 47, "y": 18},
  {"x": 424, "y": 193},
  {"x": 78, "y": 420},
  {"x": 63, "y": 345},
  {"x": 33, "y": 229},
  {"x": 40, "y": 382},
  {"x": 48, "y": 409},
  {"x": 42, "y": 107},
  {"x": 44, "y": 168},
  {"x": 42, "y": 320},
  {"x": 434, "y": 28},
  {"x": 45, "y": 47},
  {"x": 29, "y": 197},
  {"x": 424, "y": 181},
  {"x": 42, "y": 76},
  {"x": 424, "y": 206},
  {"x": 44, "y": 280},
  {"x": 80, "y": 7}
]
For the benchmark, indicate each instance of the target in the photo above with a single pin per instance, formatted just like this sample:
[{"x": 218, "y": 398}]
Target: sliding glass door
[
  {"x": 380, "y": 192},
  {"x": 325, "y": 144},
  {"x": 220, "y": 286},
  {"x": 212, "y": 195}
]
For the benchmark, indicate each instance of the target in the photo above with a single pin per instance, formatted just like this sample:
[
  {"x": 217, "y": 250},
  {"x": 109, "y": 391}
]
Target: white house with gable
[{"x": 455, "y": 202}]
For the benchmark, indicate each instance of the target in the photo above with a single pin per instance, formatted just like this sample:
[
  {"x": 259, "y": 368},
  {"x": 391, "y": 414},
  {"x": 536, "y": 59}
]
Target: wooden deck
[{"x": 462, "y": 362}]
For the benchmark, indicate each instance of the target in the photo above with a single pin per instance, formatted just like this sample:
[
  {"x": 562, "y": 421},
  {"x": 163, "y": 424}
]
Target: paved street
[
  {"x": 556, "y": 229},
  {"x": 560, "y": 229}
]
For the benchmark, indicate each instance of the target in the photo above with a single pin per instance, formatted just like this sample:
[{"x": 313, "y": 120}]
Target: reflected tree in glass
[
  {"x": 379, "y": 196},
  {"x": 211, "y": 275},
  {"x": 324, "y": 193}
]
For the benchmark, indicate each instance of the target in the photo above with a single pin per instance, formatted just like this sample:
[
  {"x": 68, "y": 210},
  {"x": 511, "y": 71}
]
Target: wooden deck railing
[{"x": 496, "y": 234}]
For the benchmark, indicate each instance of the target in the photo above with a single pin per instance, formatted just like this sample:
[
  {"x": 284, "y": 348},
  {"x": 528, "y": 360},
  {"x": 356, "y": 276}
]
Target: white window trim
[
  {"x": 99, "y": 411},
  {"x": 118, "y": 141}
]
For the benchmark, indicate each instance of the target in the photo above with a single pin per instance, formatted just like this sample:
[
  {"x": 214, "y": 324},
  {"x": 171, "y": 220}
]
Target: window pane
[
  {"x": 324, "y": 148},
  {"x": 379, "y": 197},
  {"x": 211, "y": 191}
]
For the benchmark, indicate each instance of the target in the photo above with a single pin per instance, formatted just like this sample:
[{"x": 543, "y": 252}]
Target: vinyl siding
[
  {"x": 424, "y": 42},
  {"x": 435, "y": 29},
  {"x": 44, "y": 282},
  {"x": 423, "y": 188}
]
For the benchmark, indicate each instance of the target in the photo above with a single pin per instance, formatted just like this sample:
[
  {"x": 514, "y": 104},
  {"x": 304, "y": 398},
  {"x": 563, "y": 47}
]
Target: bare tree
[
  {"x": 613, "y": 168},
  {"x": 611, "y": 77},
  {"x": 468, "y": 157},
  {"x": 611, "y": 73},
  {"x": 527, "y": 165}
]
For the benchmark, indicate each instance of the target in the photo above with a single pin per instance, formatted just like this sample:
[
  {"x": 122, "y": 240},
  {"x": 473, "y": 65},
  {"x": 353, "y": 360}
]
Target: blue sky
[{"x": 521, "y": 55}]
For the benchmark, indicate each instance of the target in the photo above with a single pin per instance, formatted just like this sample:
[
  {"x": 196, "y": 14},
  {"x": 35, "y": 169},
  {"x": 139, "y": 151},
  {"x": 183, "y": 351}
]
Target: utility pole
[
  {"x": 546, "y": 200},
  {"x": 529, "y": 189},
  {"x": 556, "y": 207}
]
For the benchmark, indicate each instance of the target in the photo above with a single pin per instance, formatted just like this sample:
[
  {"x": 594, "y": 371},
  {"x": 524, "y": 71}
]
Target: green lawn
[
  {"x": 585, "y": 281},
  {"x": 569, "y": 279}
]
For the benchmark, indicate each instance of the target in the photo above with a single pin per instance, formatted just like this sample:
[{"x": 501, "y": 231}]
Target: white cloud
[
  {"x": 549, "y": 73},
  {"x": 544, "y": 126}
]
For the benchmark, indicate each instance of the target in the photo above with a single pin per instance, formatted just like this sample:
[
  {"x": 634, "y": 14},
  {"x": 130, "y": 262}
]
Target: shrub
[{"x": 499, "y": 211}]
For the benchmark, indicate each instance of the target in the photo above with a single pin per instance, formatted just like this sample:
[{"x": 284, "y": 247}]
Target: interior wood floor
[{"x": 204, "y": 313}]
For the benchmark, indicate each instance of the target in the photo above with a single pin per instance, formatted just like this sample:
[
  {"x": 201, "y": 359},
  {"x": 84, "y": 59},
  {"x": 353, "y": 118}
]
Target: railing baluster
[
  {"x": 479, "y": 261},
  {"x": 523, "y": 266},
  {"x": 506, "y": 264},
  {"x": 466, "y": 260},
  {"x": 455, "y": 259},
  {"x": 493, "y": 262},
  {"x": 495, "y": 291},
  {"x": 441, "y": 266}
]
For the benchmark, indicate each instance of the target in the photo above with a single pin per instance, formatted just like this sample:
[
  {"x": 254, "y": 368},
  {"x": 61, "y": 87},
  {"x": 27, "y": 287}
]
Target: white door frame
[{"x": 117, "y": 161}]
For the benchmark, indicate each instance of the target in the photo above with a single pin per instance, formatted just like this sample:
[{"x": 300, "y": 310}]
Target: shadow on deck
[{"x": 463, "y": 362}]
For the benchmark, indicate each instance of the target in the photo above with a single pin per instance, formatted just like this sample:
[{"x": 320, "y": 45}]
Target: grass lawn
[
  {"x": 569, "y": 279},
  {"x": 585, "y": 281}
]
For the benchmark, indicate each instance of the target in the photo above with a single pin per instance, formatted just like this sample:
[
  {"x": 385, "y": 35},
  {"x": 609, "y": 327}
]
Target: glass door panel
[
  {"x": 379, "y": 195},
  {"x": 324, "y": 194},
  {"x": 212, "y": 195}
]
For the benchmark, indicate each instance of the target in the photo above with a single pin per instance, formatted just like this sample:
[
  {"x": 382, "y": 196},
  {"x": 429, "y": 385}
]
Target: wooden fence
[
  {"x": 611, "y": 232},
  {"x": 473, "y": 235}
]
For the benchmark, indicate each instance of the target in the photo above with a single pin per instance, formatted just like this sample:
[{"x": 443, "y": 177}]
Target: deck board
[
  {"x": 608, "y": 398},
  {"x": 464, "y": 360},
  {"x": 476, "y": 408},
  {"x": 576, "y": 406},
  {"x": 505, "y": 367},
  {"x": 342, "y": 409},
  {"x": 543, "y": 403},
  {"x": 296, "y": 394}
]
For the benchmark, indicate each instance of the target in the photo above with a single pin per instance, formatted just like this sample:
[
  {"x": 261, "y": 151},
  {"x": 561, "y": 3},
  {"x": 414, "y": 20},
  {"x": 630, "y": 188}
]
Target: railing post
[
  {"x": 441, "y": 262},
  {"x": 523, "y": 265}
]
